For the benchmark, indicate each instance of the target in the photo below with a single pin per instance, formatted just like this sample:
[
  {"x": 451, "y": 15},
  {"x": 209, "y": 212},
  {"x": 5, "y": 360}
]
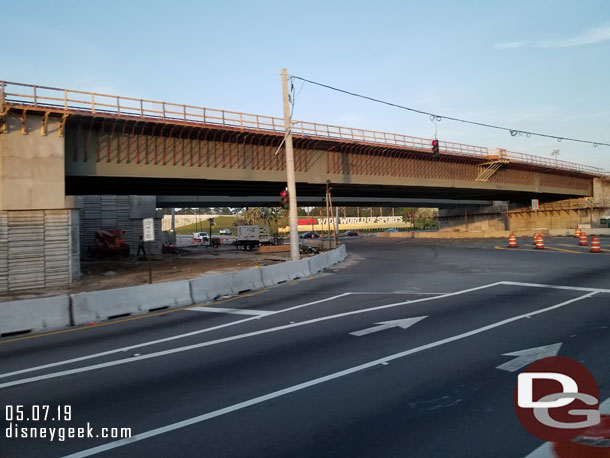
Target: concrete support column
[{"x": 37, "y": 225}]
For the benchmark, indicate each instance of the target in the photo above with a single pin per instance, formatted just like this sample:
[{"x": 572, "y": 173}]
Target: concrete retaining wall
[
  {"x": 570, "y": 232},
  {"x": 102, "y": 305},
  {"x": 34, "y": 314}
]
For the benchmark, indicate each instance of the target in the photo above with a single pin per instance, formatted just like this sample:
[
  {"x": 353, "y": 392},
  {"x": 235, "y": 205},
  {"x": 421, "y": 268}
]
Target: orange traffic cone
[
  {"x": 577, "y": 232},
  {"x": 582, "y": 240},
  {"x": 512, "y": 241},
  {"x": 540, "y": 242},
  {"x": 595, "y": 244}
]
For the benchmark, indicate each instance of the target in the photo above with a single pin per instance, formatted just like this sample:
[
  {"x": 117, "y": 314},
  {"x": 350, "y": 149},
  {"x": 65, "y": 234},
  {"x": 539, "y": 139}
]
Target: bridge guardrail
[{"x": 69, "y": 100}]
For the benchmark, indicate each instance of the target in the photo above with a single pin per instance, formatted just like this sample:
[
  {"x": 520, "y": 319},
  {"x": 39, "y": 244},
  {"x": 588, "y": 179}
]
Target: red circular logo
[{"x": 557, "y": 399}]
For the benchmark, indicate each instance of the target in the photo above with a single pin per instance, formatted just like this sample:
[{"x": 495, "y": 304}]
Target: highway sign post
[
  {"x": 535, "y": 206},
  {"x": 148, "y": 231}
]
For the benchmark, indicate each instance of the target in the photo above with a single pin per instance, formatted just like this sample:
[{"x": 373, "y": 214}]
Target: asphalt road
[{"x": 307, "y": 370}]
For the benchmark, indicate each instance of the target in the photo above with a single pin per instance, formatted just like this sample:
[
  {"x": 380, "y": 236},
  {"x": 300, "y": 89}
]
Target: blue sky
[{"x": 528, "y": 65}]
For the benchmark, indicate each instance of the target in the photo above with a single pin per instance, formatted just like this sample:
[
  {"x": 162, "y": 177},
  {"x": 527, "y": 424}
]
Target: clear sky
[{"x": 537, "y": 65}]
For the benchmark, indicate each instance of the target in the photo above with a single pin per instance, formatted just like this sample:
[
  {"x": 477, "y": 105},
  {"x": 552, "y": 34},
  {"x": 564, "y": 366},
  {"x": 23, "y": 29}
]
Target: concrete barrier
[
  {"x": 247, "y": 280},
  {"x": 210, "y": 287},
  {"x": 286, "y": 271},
  {"x": 334, "y": 256},
  {"x": 34, "y": 314},
  {"x": 106, "y": 304},
  {"x": 318, "y": 263},
  {"x": 81, "y": 308}
]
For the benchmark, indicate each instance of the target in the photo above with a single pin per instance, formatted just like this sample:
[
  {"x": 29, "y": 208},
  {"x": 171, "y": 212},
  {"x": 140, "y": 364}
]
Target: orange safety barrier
[
  {"x": 595, "y": 244},
  {"x": 512, "y": 241},
  {"x": 536, "y": 234},
  {"x": 577, "y": 232},
  {"x": 539, "y": 242},
  {"x": 582, "y": 240}
]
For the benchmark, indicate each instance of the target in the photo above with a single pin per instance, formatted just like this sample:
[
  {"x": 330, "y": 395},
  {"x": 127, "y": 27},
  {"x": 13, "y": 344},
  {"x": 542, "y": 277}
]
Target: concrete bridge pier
[
  {"x": 43, "y": 232},
  {"x": 39, "y": 228}
]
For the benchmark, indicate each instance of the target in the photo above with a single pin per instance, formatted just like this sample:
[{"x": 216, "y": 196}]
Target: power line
[{"x": 433, "y": 116}]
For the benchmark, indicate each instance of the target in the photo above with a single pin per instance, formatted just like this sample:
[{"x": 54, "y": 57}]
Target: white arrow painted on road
[
  {"x": 403, "y": 323},
  {"x": 526, "y": 357}
]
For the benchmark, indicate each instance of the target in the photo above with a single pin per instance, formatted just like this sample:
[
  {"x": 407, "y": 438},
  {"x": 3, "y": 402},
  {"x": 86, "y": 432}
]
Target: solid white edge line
[
  {"x": 214, "y": 328},
  {"x": 310, "y": 383},
  {"x": 568, "y": 288},
  {"x": 231, "y": 311},
  {"x": 158, "y": 341},
  {"x": 225, "y": 339}
]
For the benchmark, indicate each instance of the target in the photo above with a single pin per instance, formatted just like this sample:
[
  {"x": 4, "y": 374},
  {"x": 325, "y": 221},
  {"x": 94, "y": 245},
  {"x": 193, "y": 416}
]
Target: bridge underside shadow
[{"x": 236, "y": 191}]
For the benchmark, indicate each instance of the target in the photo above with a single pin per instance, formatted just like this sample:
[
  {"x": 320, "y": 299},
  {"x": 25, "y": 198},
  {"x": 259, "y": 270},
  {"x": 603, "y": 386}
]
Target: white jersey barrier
[
  {"x": 49, "y": 313},
  {"x": 46, "y": 313}
]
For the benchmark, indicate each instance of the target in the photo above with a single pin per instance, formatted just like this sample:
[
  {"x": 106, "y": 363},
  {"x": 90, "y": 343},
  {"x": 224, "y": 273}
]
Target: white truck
[
  {"x": 201, "y": 237},
  {"x": 249, "y": 237}
]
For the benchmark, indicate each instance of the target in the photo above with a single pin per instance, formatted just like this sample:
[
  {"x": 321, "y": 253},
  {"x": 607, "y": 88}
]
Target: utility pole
[{"x": 290, "y": 180}]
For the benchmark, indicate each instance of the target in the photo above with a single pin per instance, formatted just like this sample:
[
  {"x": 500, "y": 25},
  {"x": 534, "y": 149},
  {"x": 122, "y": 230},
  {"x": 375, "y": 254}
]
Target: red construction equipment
[
  {"x": 595, "y": 244},
  {"x": 582, "y": 240},
  {"x": 539, "y": 242},
  {"x": 110, "y": 244},
  {"x": 512, "y": 241}
]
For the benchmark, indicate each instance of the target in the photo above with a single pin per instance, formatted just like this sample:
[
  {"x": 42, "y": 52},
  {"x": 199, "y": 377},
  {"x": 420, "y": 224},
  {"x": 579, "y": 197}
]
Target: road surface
[{"x": 402, "y": 351}]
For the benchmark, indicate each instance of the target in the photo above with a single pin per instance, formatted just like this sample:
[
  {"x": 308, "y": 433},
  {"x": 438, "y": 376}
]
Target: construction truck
[{"x": 249, "y": 237}]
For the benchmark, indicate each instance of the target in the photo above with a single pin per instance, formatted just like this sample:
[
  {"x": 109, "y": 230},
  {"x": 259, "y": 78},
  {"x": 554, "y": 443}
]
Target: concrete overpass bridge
[
  {"x": 57, "y": 143},
  {"x": 121, "y": 145}
]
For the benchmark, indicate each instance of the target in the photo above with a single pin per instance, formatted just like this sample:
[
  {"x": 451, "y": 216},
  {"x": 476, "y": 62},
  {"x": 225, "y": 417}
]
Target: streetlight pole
[{"x": 292, "y": 189}]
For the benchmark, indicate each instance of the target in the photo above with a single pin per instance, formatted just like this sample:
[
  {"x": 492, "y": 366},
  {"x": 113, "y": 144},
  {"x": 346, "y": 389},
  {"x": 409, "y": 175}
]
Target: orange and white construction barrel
[
  {"x": 512, "y": 241},
  {"x": 539, "y": 242},
  {"x": 577, "y": 232},
  {"x": 595, "y": 244},
  {"x": 582, "y": 240}
]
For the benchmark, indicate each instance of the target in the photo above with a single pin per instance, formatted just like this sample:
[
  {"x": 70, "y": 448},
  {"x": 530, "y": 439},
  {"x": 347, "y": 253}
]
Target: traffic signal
[
  {"x": 435, "y": 150},
  {"x": 284, "y": 198}
]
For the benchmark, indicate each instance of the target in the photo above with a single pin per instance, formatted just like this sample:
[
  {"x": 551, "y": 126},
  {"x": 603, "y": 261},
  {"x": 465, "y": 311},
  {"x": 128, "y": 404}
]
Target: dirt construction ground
[{"x": 189, "y": 262}]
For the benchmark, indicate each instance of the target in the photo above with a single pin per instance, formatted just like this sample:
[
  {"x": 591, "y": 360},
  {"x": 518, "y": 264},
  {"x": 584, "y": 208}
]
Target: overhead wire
[{"x": 437, "y": 117}]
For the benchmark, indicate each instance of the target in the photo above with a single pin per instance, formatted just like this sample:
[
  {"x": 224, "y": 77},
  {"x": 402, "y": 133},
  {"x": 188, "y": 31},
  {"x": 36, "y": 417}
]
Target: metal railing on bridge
[{"x": 74, "y": 101}]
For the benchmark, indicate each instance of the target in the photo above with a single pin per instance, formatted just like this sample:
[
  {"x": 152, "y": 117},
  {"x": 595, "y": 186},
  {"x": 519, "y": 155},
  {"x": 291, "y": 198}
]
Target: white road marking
[
  {"x": 404, "y": 323},
  {"x": 158, "y": 341},
  {"x": 215, "y": 342},
  {"x": 546, "y": 449},
  {"x": 310, "y": 383},
  {"x": 568, "y": 288},
  {"x": 528, "y": 356},
  {"x": 231, "y": 311},
  {"x": 400, "y": 293}
]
